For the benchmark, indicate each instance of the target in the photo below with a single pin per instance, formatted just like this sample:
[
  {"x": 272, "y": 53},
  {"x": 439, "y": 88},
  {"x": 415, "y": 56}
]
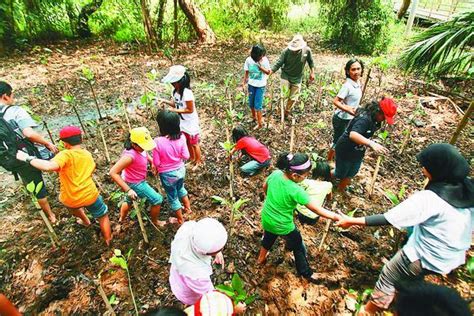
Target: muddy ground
[{"x": 47, "y": 280}]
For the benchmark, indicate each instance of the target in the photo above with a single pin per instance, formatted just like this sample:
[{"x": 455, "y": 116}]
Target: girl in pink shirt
[
  {"x": 168, "y": 158},
  {"x": 131, "y": 170}
]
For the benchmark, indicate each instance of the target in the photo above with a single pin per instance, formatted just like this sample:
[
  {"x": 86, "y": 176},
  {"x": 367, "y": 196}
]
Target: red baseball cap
[
  {"x": 69, "y": 131},
  {"x": 389, "y": 109}
]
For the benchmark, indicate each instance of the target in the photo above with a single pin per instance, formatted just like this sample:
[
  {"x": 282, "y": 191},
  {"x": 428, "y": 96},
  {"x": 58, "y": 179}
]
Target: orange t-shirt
[{"x": 75, "y": 175}]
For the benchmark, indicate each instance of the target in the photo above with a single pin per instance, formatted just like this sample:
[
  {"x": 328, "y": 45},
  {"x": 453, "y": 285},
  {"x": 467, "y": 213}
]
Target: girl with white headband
[{"x": 283, "y": 194}]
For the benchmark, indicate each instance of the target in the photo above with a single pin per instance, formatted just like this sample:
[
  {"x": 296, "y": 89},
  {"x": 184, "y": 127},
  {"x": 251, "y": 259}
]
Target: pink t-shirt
[
  {"x": 187, "y": 290},
  {"x": 169, "y": 155},
  {"x": 136, "y": 171},
  {"x": 254, "y": 148}
]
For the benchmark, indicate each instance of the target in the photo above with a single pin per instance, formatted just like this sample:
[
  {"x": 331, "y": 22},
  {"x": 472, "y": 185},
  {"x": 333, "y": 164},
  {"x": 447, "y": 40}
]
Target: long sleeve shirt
[{"x": 292, "y": 64}]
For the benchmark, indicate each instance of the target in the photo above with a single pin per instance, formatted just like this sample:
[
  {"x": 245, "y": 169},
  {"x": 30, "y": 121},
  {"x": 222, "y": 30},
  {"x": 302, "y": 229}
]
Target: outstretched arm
[
  {"x": 44, "y": 165},
  {"x": 322, "y": 211}
]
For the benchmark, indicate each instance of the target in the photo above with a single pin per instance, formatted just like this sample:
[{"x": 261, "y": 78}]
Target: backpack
[{"x": 10, "y": 143}]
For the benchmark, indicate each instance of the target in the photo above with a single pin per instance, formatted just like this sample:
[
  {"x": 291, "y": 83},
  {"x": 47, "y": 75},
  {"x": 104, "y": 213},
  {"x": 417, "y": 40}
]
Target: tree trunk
[
  {"x": 175, "y": 23},
  {"x": 403, "y": 9},
  {"x": 198, "y": 21},
  {"x": 159, "y": 21},
  {"x": 149, "y": 31},
  {"x": 83, "y": 18}
]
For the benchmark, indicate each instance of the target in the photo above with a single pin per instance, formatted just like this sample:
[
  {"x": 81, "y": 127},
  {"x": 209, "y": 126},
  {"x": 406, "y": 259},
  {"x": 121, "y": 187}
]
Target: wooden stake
[
  {"x": 126, "y": 116},
  {"x": 405, "y": 141},
  {"x": 80, "y": 121},
  {"x": 101, "y": 132},
  {"x": 105, "y": 299},
  {"x": 101, "y": 189},
  {"x": 49, "y": 132},
  {"x": 292, "y": 135},
  {"x": 270, "y": 111},
  {"x": 325, "y": 234},
  {"x": 376, "y": 172},
  {"x": 282, "y": 111},
  {"x": 464, "y": 120},
  {"x": 95, "y": 99},
  {"x": 52, "y": 235},
  {"x": 140, "y": 221},
  {"x": 366, "y": 83}
]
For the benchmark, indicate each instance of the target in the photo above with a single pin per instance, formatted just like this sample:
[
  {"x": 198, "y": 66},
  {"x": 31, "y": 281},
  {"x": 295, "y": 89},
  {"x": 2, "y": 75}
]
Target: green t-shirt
[
  {"x": 283, "y": 195},
  {"x": 292, "y": 64}
]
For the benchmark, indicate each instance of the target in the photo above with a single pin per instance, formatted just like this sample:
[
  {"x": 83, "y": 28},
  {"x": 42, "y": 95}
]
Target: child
[
  {"x": 441, "y": 216},
  {"x": 283, "y": 194},
  {"x": 7, "y": 308},
  {"x": 192, "y": 249},
  {"x": 75, "y": 166},
  {"x": 249, "y": 145},
  {"x": 168, "y": 158},
  {"x": 257, "y": 69},
  {"x": 183, "y": 104},
  {"x": 317, "y": 190},
  {"x": 131, "y": 170}
]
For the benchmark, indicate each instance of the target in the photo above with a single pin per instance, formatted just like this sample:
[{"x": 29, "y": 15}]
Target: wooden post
[
  {"x": 51, "y": 233},
  {"x": 110, "y": 310},
  {"x": 411, "y": 18},
  {"x": 49, "y": 132},
  {"x": 140, "y": 221},
  {"x": 95, "y": 99},
  {"x": 366, "y": 83},
  {"x": 325, "y": 234},
  {"x": 376, "y": 172},
  {"x": 101, "y": 132},
  {"x": 79, "y": 119},
  {"x": 405, "y": 141},
  {"x": 126, "y": 116},
  {"x": 462, "y": 124},
  {"x": 292, "y": 135}
]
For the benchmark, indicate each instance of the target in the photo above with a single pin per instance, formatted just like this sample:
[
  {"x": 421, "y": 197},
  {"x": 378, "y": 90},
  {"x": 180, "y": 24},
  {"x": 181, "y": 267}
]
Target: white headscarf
[{"x": 191, "y": 244}]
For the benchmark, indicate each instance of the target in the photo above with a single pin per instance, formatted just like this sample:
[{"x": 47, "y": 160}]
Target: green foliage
[
  {"x": 443, "y": 49},
  {"x": 236, "y": 291},
  {"x": 470, "y": 266},
  {"x": 396, "y": 198},
  {"x": 234, "y": 206},
  {"x": 33, "y": 189},
  {"x": 357, "y": 26},
  {"x": 227, "y": 146},
  {"x": 360, "y": 298}
]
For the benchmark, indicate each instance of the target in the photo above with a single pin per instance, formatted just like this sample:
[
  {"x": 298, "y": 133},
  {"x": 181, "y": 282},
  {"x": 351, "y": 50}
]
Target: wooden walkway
[{"x": 438, "y": 10}]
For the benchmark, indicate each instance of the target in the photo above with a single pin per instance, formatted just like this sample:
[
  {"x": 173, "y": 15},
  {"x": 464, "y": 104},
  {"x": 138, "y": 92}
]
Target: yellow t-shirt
[{"x": 75, "y": 176}]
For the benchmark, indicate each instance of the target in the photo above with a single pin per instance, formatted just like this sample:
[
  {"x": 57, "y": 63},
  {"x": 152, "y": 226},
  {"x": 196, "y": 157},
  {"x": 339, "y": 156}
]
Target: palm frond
[{"x": 446, "y": 48}]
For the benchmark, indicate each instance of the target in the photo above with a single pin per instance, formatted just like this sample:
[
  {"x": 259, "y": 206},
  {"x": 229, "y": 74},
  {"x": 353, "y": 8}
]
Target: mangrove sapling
[
  {"x": 122, "y": 261},
  {"x": 383, "y": 137},
  {"x": 71, "y": 100},
  {"x": 354, "y": 300},
  {"x": 122, "y": 105},
  {"x": 136, "y": 207},
  {"x": 236, "y": 291},
  {"x": 89, "y": 77},
  {"x": 235, "y": 211},
  {"x": 101, "y": 133},
  {"x": 33, "y": 192}
]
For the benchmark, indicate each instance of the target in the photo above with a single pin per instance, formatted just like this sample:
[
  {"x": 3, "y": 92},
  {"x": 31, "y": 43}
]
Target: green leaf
[
  {"x": 470, "y": 266},
  {"x": 112, "y": 299},
  {"x": 401, "y": 193},
  {"x": 352, "y": 213},
  {"x": 250, "y": 299},
  {"x": 392, "y": 197},
  {"x": 237, "y": 205},
  {"x": 30, "y": 187},
  {"x": 39, "y": 186},
  {"x": 220, "y": 200},
  {"x": 237, "y": 284},
  {"x": 227, "y": 146},
  {"x": 119, "y": 262},
  {"x": 68, "y": 98},
  {"x": 241, "y": 297},
  {"x": 117, "y": 252},
  {"x": 383, "y": 135},
  {"x": 129, "y": 253},
  {"x": 227, "y": 290}
]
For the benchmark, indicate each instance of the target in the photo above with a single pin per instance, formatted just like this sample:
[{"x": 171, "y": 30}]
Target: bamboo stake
[
  {"x": 79, "y": 119},
  {"x": 463, "y": 123},
  {"x": 140, "y": 221},
  {"x": 95, "y": 99},
  {"x": 101, "y": 189},
  {"x": 366, "y": 83},
  {"x": 292, "y": 135},
  {"x": 51, "y": 233},
  {"x": 376, "y": 172},
  {"x": 405, "y": 141},
  {"x": 325, "y": 234},
  {"x": 126, "y": 115},
  {"x": 105, "y": 299},
  {"x": 101, "y": 132},
  {"x": 282, "y": 111},
  {"x": 49, "y": 132},
  {"x": 270, "y": 111}
]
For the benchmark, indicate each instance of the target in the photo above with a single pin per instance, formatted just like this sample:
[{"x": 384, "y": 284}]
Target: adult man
[
  {"x": 292, "y": 61},
  {"x": 24, "y": 125}
]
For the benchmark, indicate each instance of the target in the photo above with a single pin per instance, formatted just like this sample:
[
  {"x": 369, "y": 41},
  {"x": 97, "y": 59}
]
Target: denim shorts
[
  {"x": 346, "y": 168},
  {"x": 253, "y": 167},
  {"x": 144, "y": 190},
  {"x": 98, "y": 208},
  {"x": 256, "y": 95},
  {"x": 173, "y": 183}
]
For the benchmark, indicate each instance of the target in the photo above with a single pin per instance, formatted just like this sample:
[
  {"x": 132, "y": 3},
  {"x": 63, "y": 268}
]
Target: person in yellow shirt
[{"x": 75, "y": 166}]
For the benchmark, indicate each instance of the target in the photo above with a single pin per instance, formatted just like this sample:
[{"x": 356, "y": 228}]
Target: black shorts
[{"x": 27, "y": 174}]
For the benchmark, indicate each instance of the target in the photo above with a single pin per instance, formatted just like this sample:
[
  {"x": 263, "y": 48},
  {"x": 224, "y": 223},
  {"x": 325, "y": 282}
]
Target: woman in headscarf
[
  {"x": 441, "y": 216},
  {"x": 192, "y": 249}
]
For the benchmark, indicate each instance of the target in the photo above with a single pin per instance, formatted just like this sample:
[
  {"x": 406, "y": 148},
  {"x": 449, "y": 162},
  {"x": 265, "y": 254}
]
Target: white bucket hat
[
  {"x": 175, "y": 74},
  {"x": 297, "y": 43}
]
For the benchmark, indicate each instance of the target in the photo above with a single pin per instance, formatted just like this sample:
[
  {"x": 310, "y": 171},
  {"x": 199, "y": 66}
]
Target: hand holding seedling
[
  {"x": 132, "y": 194},
  {"x": 240, "y": 308},
  {"x": 52, "y": 148},
  {"x": 219, "y": 259}
]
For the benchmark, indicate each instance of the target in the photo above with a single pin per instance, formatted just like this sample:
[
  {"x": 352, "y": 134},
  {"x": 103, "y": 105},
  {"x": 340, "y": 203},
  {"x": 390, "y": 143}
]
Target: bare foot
[
  {"x": 173, "y": 220},
  {"x": 187, "y": 210},
  {"x": 196, "y": 166},
  {"x": 257, "y": 127},
  {"x": 159, "y": 223},
  {"x": 52, "y": 218},
  {"x": 81, "y": 222}
]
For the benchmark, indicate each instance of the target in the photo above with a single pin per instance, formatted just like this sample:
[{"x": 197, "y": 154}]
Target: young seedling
[
  {"x": 49, "y": 132},
  {"x": 136, "y": 207},
  {"x": 234, "y": 206},
  {"x": 101, "y": 133},
  {"x": 89, "y": 77},
  {"x": 383, "y": 136},
  {"x": 236, "y": 291},
  {"x": 354, "y": 300},
  {"x": 284, "y": 95},
  {"x": 71, "y": 100},
  {"x": 122, "y": 105},
  {"x": 33, "y": 192},
  {"x": 396, "y": 199},
  {"x": 122, "y": 261}
]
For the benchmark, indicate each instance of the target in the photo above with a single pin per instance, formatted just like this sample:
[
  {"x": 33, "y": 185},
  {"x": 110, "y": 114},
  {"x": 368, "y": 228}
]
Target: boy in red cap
[
  {"x": 75, "y": 166},
  {"x": 350, "y": 147}
]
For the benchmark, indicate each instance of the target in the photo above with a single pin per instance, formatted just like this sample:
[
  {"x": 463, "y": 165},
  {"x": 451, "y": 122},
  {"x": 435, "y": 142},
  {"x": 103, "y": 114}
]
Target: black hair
[
  {"x": 371, "y": 109},
  {"x": 350, "y": 63},
  {"x": 427, "y": 299},
  {"x": 73, "y": 140},
  {"x": 284, "y": 162},
  {"x": 184, "y": 83},
  {"x": 128, "y": 142},
  {"x": 5, "y": 88},
  {"x": 322, "y": 170},
  {"x": 257, "y": 52},
  {"x": 166, "y": 311},
  {"x": 238, "y": 132},
  {"x": 168, "y": 122}
]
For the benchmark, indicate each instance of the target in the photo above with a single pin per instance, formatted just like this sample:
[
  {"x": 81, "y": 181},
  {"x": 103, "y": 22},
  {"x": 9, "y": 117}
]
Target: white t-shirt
[
  {"x": 351, "y": 93},
  {"x": 256, "y": 77},
  {"x": 441, "y": 233},
  {"x": 189, "y": 122}
]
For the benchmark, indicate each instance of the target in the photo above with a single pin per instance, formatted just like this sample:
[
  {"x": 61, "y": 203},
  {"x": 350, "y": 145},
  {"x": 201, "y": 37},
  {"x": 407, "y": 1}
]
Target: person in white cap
[
  {"x": 292, "y": 61},
  {"x": 183, "y": 103}
]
